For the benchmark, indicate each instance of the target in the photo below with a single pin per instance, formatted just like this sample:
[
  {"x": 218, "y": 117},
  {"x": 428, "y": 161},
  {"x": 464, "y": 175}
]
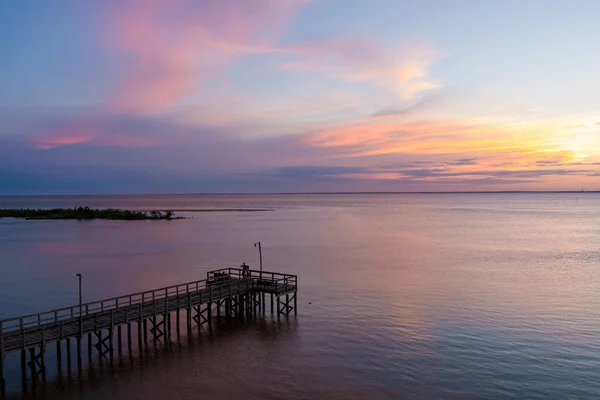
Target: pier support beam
[
  {"x": 158, "y": 328},
  {"x": 202, "y": 314},
  {"x": 36, "y": 363},
  {"x": 103, "y": 345},
  {"x": 285, "y": 307}
]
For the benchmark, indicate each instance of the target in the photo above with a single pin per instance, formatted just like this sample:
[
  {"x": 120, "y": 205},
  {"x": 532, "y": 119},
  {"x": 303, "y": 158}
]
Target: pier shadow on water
[{"x": 217, "y": 346}]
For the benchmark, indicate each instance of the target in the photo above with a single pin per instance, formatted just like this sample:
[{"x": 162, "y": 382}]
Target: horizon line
[{"x": 304, "y": 193}]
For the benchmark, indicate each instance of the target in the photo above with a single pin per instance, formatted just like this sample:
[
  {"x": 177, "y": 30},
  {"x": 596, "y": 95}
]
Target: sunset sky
[{"x": 179, "y": 96}]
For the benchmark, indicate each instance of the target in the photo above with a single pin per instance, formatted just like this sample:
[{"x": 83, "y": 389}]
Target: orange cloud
[
  {"x": 177, "y": 44},
  {"x": 503, "y": 147}
]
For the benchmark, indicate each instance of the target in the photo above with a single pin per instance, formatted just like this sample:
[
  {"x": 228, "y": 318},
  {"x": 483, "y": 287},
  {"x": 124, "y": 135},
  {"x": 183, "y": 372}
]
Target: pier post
[
  {"x": 32, "y": 364},
  {"x": 272, "y": 303},
  {"x": 110, "y": 342},
  {"x": 278, "y": 307},
  {"x": 129, "y": 337},
  {"x": 119, "y": 343},
  {"x": 139, "y": 326},
  {"x": 58, "y": 354},
  {"x": 42, "y": 354},
  {"x": 189, "y": 320},
  {"x": 99, "y": 345},
  {"x": 69, "y": 355},
  {"x": 24, "y": 366},
  {"x": 145, "y": 331},
  {"x": 89, "y": 346},
  {"x": 296, "y": 302},
  {"x": 177, "y": 321},
  {"x": 79, "y": 364}
]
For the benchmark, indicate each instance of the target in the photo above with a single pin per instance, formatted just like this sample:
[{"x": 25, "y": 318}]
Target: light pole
[
  {"x": 257, "y": 244},
  {"x": 80, "y": 309}
]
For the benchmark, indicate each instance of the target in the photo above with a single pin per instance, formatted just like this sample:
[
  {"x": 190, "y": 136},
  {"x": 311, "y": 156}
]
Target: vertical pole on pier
[
  {"x": 166, "y": 319},
  {"x": 296, "y": 302},
  {"x": 119, "y": 343},
  {"x": 189, "y": 313},
  {"x": 209, "y": 305},
  {"x": 79, "y": 364},
  {"x": 32, "y": 364},
  {"x": 43, "y": 354},
  {"x": 69, "y": 355},
  {"x": 278, "y": 307},
  {"x": 145, "y": 331},
  {"x": 189, "y": 320},
  {"x": 139, "y": 325},
  {"x": 24, "y": 366},
  {"x": 272, "y": 303},
  {"x": 129, "y": 337},
  {"x": 169, "y": 326},
  {"x": 177, "y": 321},
  {"x": 59, "y": 354},
  {"x": 99, "y": 346},
  {"x": 89, "y": 344}
]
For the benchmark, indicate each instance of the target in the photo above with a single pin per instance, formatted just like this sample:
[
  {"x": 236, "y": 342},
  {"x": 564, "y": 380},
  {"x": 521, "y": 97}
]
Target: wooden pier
[{"x": 224, "y": 292}]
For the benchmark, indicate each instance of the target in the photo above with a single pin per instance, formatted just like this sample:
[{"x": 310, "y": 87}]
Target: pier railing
[
  {"x": 213, "y": 277},
  {"x": 66, "y": 313},
  {"x": 256, "y": 277}
]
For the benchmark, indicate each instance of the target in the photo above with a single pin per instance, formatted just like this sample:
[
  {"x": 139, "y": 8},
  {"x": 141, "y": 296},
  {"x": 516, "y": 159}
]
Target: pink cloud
[
  {"x": 175, "y": 45},
  {"x": 60, "y": 138},
  {"x": 69, "y": 136}
]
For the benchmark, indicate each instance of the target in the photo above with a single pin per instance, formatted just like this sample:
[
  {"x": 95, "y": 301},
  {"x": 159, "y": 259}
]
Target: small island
[{"x": 87, "y": 213}]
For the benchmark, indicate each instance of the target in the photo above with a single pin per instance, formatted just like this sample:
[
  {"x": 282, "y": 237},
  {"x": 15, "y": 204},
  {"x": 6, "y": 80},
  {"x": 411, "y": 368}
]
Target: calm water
[{"x": 488, "y": 296}]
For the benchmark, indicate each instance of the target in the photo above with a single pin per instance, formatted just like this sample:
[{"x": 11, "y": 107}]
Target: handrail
[
  {"x": 102, "y": 304},
  {"x": 91, "y": 308}
]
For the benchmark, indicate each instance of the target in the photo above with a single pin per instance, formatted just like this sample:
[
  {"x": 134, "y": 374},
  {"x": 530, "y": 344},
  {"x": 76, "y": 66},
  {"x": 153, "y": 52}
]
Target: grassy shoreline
[{"x": 81, "y": 213}]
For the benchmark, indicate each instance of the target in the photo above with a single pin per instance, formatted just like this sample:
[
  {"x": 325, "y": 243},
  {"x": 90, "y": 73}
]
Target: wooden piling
[
  {"x": 23, "y": 366},
  {"x": 32, "y": 364},
  {"x": 89, "y": 346},
  {"x": 69, "y": 355},
  {"x": 79, "y": 363},
  {"x": 129, "y": 337},
  {"x": 145, "y": 331},
  {"x": 58, "y": 355},
  {"x": 139, "y": 325},
  {"x": 119, "y": 343}
]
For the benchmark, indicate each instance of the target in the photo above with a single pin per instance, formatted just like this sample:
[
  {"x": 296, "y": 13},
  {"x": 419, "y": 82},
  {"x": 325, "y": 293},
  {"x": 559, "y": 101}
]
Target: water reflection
[{"x": 440, "y": 296}]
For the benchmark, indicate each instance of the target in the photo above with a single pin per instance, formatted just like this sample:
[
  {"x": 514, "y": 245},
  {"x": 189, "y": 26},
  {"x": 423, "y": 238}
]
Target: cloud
[
  {"x": 45, "y": 133},
  {"x": 360, "y": 59},
  {"x": 172, "y": 46}
]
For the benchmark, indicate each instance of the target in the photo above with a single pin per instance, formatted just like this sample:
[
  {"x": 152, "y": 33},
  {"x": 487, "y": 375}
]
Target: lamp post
[
  {"x": 257, "y": 244},
  {"x": 80, "y": 309}
]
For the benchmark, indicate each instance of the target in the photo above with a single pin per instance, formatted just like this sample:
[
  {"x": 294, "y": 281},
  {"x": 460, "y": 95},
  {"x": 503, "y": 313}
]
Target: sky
[{"x": 236, "y": 96}]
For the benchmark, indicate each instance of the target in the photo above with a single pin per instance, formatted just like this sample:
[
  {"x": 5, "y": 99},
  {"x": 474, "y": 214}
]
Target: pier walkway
[{"x": 223, "y": 291}]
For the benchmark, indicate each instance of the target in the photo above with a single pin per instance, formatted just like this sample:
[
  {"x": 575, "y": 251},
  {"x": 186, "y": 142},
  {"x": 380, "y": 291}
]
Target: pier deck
[{"x": 224, "y": 289}]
